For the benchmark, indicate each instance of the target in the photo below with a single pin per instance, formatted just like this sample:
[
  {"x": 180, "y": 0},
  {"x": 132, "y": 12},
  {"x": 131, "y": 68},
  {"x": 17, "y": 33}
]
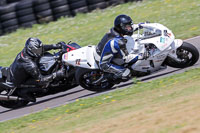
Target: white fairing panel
[
  {"x": 163, "y": 41},
  {"x": 178, "y": 43},
  {"x": 82, "y": 57},
  {"x": 90, "y": 57}
]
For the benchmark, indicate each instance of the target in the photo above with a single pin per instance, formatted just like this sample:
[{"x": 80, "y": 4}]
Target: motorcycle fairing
[
  {"x": 174, "y": 46},
  {"x": 82, "y": 57},
  {"x": 71, "y": 46},
  {"x": 152, "y": 64},
  {"x": 162, "y": 37}
]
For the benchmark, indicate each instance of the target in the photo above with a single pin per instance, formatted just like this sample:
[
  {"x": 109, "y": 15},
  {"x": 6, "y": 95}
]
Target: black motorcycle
[{"x": 48, "y": 64}]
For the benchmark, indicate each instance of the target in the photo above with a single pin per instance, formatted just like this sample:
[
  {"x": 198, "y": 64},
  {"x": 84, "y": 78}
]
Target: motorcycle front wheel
[
  {"x": 12, "y": 104},
  {"x": 187, "y": 54},
  {"x": 91, "y": 80}
]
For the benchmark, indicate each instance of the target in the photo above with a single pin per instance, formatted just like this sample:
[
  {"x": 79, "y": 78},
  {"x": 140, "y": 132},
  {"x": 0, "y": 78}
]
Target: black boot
[
  {"x": 112, "y": 78},
  {"x": 26, "y": 94}
]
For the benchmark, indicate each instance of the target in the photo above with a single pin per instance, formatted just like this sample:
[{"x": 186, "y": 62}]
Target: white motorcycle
[{"x": 153, "y": 39}]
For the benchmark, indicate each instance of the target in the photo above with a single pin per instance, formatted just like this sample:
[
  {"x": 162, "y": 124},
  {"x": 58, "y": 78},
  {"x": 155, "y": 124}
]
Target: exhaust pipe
[{"x": 9, "y": 98}]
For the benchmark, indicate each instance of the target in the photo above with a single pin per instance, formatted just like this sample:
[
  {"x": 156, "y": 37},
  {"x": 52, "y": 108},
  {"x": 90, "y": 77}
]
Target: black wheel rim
[
  {"x": 89, "y": 78},
  {"x": 184, "y": 56}
]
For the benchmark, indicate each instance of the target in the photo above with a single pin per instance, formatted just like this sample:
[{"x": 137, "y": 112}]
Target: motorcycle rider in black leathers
[
  {"x": 24, "y": 70},
  {"x": 113, "y": 47}
]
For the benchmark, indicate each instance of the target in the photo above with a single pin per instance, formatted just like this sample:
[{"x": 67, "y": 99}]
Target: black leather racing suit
[
  {"x": 25, "y": 69},
  {"x": 107, "y": 37}
]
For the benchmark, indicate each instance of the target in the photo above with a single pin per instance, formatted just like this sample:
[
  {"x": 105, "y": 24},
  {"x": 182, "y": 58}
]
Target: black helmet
[
  {"x": 123, "y": 25},
  {"x": 34, "y": 47}
]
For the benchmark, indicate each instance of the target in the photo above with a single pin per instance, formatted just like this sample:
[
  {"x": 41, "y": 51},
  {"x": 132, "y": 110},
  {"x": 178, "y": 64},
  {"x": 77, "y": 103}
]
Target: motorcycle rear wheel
[
  {"x": 13, "y": 104},
  {"x": 87, "y": 77},
  {"x": 187, "y": 53}
]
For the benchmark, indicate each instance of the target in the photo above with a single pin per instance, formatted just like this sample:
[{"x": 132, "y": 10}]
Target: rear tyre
[
  {"x": 86, "y": 78},
  {"x": 187, "y": 54}
]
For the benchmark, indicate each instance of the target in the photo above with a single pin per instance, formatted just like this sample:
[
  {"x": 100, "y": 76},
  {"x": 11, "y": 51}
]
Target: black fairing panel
[
  {"x": 75, "y": 45},
  {"x": 71, "y": 46},
  {"x": 47, "y": 63}
]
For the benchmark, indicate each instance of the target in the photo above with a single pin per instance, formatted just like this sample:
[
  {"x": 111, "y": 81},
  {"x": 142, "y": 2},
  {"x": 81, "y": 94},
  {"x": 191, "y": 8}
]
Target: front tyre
[
  {"x": 87, "y": 78},
  {"x": 187, "y": 54}
]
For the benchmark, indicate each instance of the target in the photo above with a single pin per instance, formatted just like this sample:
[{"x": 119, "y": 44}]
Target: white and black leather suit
[{"x": 24, "y": 69}]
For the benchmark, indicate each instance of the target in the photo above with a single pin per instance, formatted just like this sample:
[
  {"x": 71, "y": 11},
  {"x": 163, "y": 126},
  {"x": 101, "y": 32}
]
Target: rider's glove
[
  {"x": 60, "y": 44},
  {"x": 137, "y": 26},
  {"x": 131, "y": 58},
  {"x": 140, "y": 25}
]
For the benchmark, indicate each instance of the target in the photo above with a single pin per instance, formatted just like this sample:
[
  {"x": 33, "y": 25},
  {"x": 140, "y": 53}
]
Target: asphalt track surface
[{"x": 79, "y": 93}]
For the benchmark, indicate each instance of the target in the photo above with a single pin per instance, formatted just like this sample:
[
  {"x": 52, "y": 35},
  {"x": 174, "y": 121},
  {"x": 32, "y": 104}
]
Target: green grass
[
  {"x": 84, "y": 112},
  {"x": 181, "y": 16}
]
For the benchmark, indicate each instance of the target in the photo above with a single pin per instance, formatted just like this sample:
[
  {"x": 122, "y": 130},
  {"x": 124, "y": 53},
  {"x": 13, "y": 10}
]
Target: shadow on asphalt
[
  {"x": 42, "y": 101},
  {"x": 147, "y": 78}
]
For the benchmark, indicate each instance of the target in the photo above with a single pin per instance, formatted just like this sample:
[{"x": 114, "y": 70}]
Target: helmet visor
[
  {"x": 128, "y": 29},
  {"x": 38, "y": 51}
]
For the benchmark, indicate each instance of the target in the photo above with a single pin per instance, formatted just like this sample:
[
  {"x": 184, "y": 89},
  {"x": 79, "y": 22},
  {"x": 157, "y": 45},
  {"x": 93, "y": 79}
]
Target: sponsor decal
[
  {"x": 66, "y": 56},
  {"x": 145, "y": 67},
  {"x": 158, "y": 60},
  {"x": 160, "y": 57},
  {"x": 167, "y": 34},
  {"x": 78, "y": 61},
  {"x": 162, "y": 39}
]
